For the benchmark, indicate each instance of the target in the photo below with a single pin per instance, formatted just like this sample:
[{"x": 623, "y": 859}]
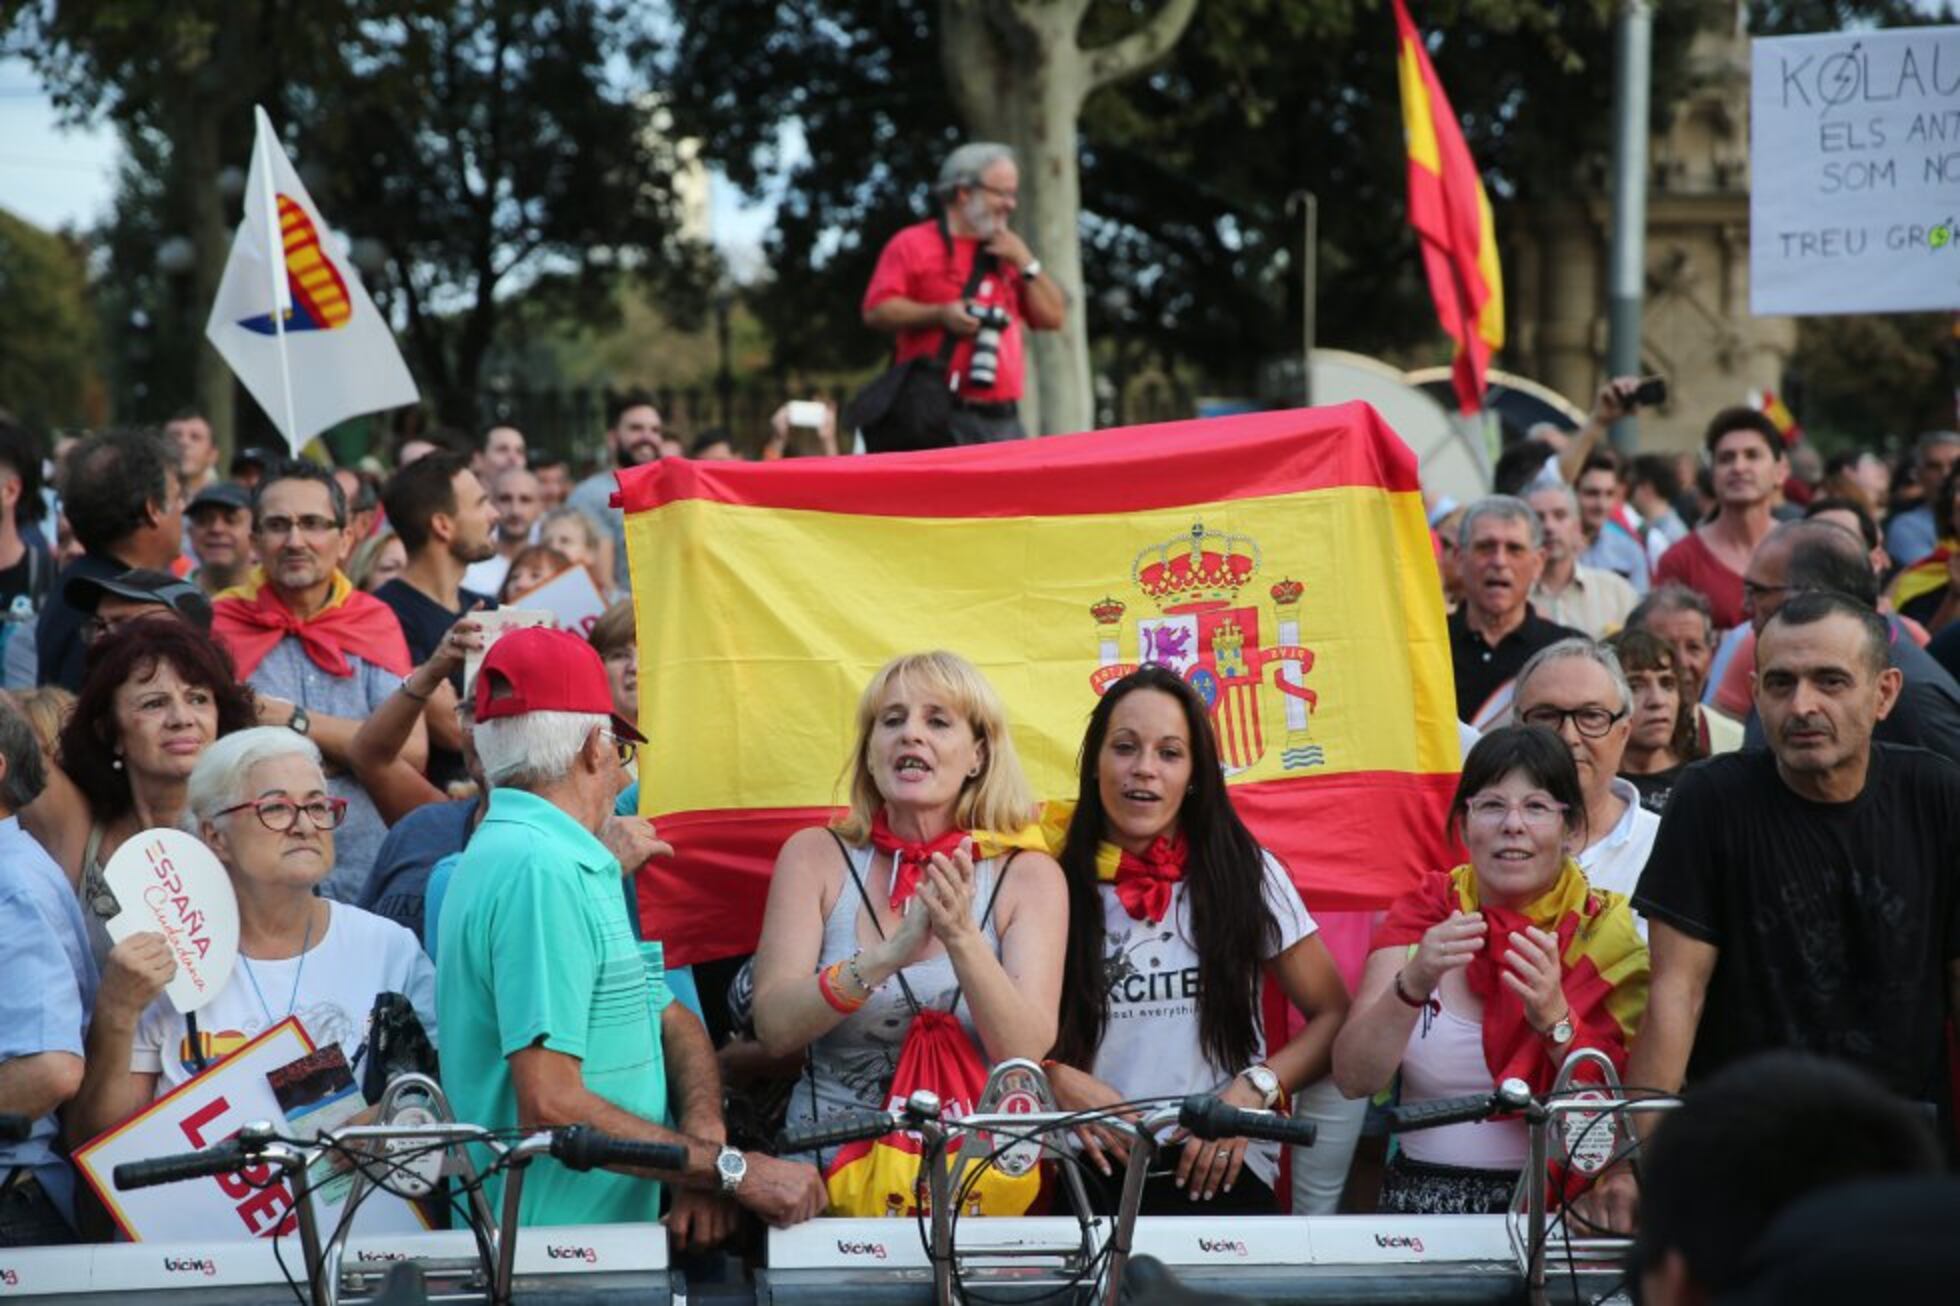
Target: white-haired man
[
  {"x": 931, "y": 275},
  {"x": 1501, "y": 551},
  {"x": 1576, "y": 690},
  {"x": 561, "y": 1015}
]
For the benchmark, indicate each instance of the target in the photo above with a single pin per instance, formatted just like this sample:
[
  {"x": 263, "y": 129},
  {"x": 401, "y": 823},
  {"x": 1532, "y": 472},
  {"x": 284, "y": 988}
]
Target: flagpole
[{"x": 282, "y": 295}]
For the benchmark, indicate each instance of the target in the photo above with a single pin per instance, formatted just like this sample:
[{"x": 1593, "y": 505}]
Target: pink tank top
[{"x": 1448, "y": 1061}]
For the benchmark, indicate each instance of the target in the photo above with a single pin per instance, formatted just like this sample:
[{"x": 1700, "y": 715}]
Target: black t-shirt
[
  {"x": 424, "y": 622},
  {"x": 1834, "y": 921},
  {"x": 1655, "y": 786},
  {"x": 1481, "y": 670},
  {"x": 31, "y": 578}
]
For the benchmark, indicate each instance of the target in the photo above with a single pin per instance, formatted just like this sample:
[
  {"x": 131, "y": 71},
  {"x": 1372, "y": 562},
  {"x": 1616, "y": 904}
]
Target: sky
[
  {"x": 65, "y": 177},
  {"x": 49, "y": 176}
]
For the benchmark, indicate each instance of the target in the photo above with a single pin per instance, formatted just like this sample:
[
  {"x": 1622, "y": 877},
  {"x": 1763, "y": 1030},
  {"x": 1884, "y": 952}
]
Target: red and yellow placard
[{"x": 1280, "y": 561}]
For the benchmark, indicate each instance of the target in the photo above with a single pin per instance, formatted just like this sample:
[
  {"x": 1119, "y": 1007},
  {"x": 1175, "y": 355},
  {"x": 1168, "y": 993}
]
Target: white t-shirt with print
[
  {"x": 1151, "y": 1047},
  {"x": 360, "y": 955}
]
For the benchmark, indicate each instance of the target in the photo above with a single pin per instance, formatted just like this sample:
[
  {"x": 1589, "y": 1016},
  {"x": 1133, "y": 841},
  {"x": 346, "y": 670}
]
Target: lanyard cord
[{"x": 292, "y": 999}]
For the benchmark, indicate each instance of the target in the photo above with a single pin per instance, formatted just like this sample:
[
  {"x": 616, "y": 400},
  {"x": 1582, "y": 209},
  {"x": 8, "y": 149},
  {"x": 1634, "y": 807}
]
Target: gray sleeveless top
[{"x": 850, "y": 1068}]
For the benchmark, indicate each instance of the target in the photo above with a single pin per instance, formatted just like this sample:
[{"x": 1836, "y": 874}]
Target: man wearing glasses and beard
[{"x": 926, "y": 290}]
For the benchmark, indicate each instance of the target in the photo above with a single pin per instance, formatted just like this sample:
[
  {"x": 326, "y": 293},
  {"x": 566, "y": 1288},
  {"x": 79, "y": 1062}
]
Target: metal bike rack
[{"x": 1577, "y": 1114}]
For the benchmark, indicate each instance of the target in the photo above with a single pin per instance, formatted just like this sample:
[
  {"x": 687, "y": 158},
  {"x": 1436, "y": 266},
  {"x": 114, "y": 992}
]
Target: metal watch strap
[{"x": 731, "y": 1173}]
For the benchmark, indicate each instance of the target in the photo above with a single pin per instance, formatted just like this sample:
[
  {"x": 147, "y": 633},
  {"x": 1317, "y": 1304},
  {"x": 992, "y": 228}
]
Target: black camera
[{"x": 985, "y": 367}]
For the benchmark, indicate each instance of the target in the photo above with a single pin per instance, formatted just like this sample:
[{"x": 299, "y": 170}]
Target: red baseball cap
[{"x": 536, "y": 669}]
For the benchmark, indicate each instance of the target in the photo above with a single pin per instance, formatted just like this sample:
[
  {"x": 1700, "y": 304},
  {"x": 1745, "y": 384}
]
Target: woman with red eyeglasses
[{"x": 261, "y": 805}]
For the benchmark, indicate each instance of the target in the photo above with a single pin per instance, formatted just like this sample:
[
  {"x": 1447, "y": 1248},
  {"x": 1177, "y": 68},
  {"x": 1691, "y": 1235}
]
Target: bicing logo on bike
[
  {"x": 190, "y": 1265},
  {"x": 1222, "y": 1247},
  {"x": 558, "y": 1252},
  {"x": 874, "y": 1250}
]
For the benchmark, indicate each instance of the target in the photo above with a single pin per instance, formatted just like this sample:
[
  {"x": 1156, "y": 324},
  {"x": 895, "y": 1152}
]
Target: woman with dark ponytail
[{"x": 1175, "y": 916}]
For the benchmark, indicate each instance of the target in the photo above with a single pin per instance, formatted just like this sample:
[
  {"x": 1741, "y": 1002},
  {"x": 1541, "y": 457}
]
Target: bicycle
[
  {"x": 1587, "y": 1118},
  {"x": 394, "y": 1157},
  {"x": 1202, "y": 1116}
]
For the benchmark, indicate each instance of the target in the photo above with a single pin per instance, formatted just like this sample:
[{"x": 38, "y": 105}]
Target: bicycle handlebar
[
  {"x": 581, "y": 1147},
  {"x": 1206, "y": 1117},
  {"x": 221, "y": 1158},
  {"x": 1511, "y": 1095},
  {"x": 855, "y": 1127}
]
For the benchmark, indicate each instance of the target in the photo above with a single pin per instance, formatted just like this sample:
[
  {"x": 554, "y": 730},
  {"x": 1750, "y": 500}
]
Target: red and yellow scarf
[
  {"x": 1143, "y": 883},
  {"x": 250, "y": 620},
  {"x": 1604, "y": 959}
]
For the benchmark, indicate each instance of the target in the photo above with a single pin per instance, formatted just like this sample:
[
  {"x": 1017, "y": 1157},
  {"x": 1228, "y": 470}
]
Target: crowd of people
[{"x": 1709, "y": 809}]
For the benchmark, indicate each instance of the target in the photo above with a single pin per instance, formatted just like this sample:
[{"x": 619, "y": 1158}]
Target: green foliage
[
  {"x": 860, "y": 82},
  {"x": 1866, "y": 381},
  {"x": 47, "y": 339},
  {"x": 482, "y": 143},
  {"x": 486, "y": 142},
  {"x": 1186, "y": 172}
]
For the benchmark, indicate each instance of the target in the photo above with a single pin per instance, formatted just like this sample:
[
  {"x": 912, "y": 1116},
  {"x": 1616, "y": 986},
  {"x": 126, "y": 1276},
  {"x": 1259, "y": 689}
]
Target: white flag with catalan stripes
[{"x": 292, "y": 318}]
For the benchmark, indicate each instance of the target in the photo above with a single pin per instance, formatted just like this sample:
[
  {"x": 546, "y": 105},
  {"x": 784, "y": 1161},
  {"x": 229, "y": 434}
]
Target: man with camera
[{"x": 965, "y": 277}]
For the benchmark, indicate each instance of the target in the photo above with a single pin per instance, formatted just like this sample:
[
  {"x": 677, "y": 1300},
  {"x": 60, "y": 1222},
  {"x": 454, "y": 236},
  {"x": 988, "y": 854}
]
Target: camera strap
[{"x": 983, "y": 262}]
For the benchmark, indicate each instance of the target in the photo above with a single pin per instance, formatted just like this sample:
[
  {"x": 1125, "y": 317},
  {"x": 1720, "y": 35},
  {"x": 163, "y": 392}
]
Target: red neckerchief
[
  {"x": 909, "y": 859},
  {"x": 1143, "y": 884},
  {"x": 250, "y": 620}
]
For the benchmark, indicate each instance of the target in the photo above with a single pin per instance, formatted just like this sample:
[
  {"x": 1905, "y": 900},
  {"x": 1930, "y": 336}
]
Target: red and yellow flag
[
  {"x": 1279, "y": 561},
  {"x": 1451, "y": 216}
]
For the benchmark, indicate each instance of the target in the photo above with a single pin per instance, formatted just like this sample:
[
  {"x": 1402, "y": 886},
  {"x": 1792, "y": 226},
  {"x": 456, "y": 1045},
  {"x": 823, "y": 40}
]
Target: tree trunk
[
  {"x": 197, "y": 147},
  {"x": 1019, "y": 76}
]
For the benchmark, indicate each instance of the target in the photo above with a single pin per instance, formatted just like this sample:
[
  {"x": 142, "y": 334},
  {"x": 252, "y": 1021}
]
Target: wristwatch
[
  {"x": 732, "y": 1167},
  {"x": 300, "y": 724},
  {"x": 1561, "y": 1031},
  {"x": 1263, "y": 1079},
  {"x": 1031, "y": 270}
]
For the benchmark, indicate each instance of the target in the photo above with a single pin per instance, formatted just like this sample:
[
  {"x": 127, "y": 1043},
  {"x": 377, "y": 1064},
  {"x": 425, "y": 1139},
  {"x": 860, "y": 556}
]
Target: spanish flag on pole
[
  {"x": 1279, "y": 561},
  {"x": 1451, "y": 215}
]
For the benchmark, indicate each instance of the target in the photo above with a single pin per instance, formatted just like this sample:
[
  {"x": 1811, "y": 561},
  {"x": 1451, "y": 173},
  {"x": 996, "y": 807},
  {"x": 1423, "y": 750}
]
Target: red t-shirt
[
  {"x": 1690, "y": 562},
  {"x": 914, "y": 265}
]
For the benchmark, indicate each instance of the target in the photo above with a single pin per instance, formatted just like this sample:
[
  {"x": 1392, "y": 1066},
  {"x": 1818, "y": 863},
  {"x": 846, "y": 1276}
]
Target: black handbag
[
  {"x": 396, "y": 1045},
  {"x": 910, "y": 405}
]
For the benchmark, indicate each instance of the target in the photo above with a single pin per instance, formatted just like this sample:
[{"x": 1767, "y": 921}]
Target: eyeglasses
[
  {"x": 1011, "y": 196},
  {"x": 280, "y": 814},
  {"x": 310, "y": 524},
  {"x": 625, "y": 747},
  {"x": 1538, "y": 813},
  {"x": 1590, "y": 722},
  {"x": 98, "y": 627}
]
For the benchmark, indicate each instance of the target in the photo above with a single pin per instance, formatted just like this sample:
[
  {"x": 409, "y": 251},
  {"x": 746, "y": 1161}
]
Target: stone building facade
[{"x": 1696, "y": 330}]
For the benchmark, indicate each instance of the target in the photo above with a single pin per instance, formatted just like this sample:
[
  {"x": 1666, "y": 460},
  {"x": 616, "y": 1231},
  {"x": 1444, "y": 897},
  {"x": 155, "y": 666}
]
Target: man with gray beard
[{"x": 927, "y": 291}]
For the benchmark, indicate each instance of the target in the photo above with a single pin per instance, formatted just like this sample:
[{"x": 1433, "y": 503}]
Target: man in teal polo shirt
[{"x": 560, "y": 1015}]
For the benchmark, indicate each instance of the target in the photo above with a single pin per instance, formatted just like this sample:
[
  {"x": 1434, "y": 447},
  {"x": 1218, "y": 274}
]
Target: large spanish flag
[
  {"x": 1279, "y": 561},
  {"x": 1451, "y": 215}
]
